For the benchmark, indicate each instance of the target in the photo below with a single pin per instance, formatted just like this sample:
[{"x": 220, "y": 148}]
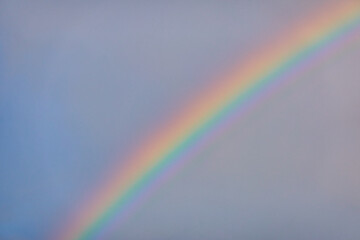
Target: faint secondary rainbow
[{"x": 294, "y": 53}]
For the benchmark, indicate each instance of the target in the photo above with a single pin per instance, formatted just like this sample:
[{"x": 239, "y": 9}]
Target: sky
[{"x": 82, "y": 83}]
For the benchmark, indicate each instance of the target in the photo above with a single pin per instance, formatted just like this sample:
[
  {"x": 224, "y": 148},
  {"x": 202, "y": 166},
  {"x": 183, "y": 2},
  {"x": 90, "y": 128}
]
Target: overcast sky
[{"x": 82, "y": 82}]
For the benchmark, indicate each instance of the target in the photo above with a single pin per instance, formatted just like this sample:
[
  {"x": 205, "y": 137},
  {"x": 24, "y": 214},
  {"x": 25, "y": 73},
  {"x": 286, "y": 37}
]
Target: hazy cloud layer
[{"x": 83, "y": 82}]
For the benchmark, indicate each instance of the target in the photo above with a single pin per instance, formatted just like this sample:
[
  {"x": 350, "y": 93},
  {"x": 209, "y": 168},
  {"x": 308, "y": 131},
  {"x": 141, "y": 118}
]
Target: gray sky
[{"x": 83, "y": 82}]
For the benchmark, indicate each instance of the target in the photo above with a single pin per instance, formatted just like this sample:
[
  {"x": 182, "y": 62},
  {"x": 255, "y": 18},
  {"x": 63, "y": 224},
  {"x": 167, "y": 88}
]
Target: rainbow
[{"x": 294, "y": 53}]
